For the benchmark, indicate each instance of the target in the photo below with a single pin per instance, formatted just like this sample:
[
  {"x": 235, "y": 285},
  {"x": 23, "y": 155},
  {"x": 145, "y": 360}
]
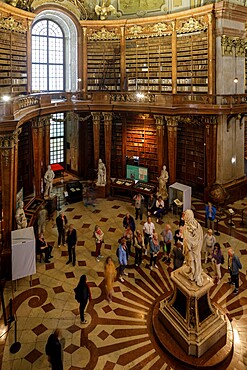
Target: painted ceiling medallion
[{"x": 105, "y": 9}]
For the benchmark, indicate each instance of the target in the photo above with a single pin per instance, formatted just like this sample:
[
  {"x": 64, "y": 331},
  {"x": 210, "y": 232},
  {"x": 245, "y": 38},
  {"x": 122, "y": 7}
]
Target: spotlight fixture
[
  {"x": 235, "y": 80},
  {"x": 5, "y": 98},
  {"x": 140, "y": 95}
]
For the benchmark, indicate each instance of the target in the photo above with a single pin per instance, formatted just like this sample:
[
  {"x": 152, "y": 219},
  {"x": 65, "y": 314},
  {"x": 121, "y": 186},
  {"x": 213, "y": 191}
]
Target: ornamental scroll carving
[
  {"x": 11, "y": 24},
  {"x": 152, "y": 30},
  {"x": 104, "y": 35},
  {"x": 192, "y": 25},
  {"x": 233, "y": 46}
]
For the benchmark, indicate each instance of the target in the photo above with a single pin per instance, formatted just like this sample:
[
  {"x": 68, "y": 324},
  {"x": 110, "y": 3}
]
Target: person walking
[
  {"x": 83, "y": 295},
  {"x": 234, "y": 265},
  {"x": 210, "y": 213},
  {"x": 178, "y": 256},
  {"x": 154, "y": 250},
  {"x": 53, "y": 350},
  {"x": 110, "y": 276},
  {"x": 167, "y": 238},
  {"x": 216, "y": 261},
  {"x": 139, "y": 199},
  {"x": 208, "y": 244},
  {"x": 139, "y": 245},
  {"x": 71, "y": 241},
  {"x": 99, "y": 237},
  {"x": 61, "y": 222},
  {"x": 148, "y": 231},
  {"x": 122, "y": 258}
]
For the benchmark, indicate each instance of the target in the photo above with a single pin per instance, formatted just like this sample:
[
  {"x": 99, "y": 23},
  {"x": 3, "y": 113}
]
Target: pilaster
[
  {"x": 160, "y": 132},
  {"x": 96, "y": 136},
  {"x": 38, "y": 152},
  {"x": 108, "y": 142},
  {"x": 172, "y": 124}
]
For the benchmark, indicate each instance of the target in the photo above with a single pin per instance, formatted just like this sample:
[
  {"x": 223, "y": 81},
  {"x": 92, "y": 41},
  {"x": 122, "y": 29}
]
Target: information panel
[{"x": 137, "y": 173}]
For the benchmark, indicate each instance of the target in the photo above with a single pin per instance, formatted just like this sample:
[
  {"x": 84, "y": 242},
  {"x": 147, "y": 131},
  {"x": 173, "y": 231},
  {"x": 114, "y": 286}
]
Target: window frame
[{"x": 54, "y": 118}]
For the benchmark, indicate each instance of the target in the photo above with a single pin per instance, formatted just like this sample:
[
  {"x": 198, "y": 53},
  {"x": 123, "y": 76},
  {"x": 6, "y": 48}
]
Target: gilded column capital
[
  {"x": 159, "y": 120},
  {"x": 107, "y": 118},
  {"x": 96, "y": 117},
  {"x": 171, "y": 122},
  {"x": 8, "y": 141}
]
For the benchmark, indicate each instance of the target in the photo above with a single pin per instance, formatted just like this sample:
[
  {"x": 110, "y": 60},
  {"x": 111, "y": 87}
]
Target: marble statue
[
  {"x": 48, "y": 179},
  {"x": 193, "y": 240},
  {"x": 42, "y": 218},
  {"x": 101, "y": 173},
  {"x": 162, "y": 191},
  {"x": 20, "y": 216}
]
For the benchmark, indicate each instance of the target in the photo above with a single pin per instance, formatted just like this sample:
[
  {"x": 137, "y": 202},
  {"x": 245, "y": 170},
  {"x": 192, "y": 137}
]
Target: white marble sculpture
[
  {"x": 162, "y": 191},
  {"x": 101, "y": 173},
  {"x": 42, "y": 219},
  {"x": 20, "y": 216},
  {"x": 48, "y": 179},
  {"x": 193, "y": 240}
]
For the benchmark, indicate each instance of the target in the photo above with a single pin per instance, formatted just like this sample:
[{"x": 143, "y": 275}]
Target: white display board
[
  {"x": 23, "y": 253},
  {"x": 181, "y": 192}
]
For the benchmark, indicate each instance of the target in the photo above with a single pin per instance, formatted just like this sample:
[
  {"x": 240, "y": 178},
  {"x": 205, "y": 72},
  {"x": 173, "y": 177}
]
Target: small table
[{"x": 57, "y": 169}]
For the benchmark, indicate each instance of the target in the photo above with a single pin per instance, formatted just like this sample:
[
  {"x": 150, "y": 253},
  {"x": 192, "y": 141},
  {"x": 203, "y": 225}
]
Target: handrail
[{"x": 21, "y": 104}]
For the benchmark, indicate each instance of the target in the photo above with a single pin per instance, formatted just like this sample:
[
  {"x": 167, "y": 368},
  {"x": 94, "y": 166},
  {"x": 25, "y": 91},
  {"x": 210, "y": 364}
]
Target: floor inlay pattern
[{"x": 119, "y": 335}]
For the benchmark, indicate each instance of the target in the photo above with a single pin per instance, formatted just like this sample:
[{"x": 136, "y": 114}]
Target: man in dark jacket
[
  {"x": 234, "y": 265},
  {"x": 83, "y": 295},
  {"x": 129, "y": 221},
  {"x": 71, "y": 241},
  {"x": 61, "y": 222},
  {"x": 53, "y": 350}
]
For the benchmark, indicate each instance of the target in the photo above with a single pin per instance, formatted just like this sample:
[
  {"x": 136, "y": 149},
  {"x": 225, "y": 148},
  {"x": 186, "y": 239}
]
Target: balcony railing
[{"x": 20, "y": 106}]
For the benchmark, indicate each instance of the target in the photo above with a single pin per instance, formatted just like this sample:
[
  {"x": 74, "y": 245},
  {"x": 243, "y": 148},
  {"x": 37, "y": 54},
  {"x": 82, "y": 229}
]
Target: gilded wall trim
[
  {"x": 233, "y": 46},
  {"x": 104, "y": 35},
  {"x": 151, "y": 30},
  {"x": 193, "y": 25},
  {"x": 13, "y": 25}
]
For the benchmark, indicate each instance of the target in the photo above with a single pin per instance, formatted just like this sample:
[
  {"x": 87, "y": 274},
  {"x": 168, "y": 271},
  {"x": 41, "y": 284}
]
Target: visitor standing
[
  {"x": 178, "y": 256},
  {"x": 71, "y": 241},
  {"x": 178, "y": 236},
  {"x": 122, "y": 258},
  {"x": 139, "y": 199},
  {"x": 148, "y": 231},
  {"x": 61, "y": 222},
  {"x": 167, "y": 238},
  {"x": 160, "y": 208},
  {"x": 210, "y": 213},
  {"x": 99, "y": 238},
  {"x": 129, "y": 221},
  {"x": 53, "y": 350},
  {"x": 208, "y": 244},
  {"x": 154, "y": 250},
  {"x": 129, "y": 236},
  {"x": 110, "y": 276},
  {"x": 234, "y": 265},
  {"x": 83, "y": 295},
  {"x": 139, "y": 244},
  {"x": 216, "y": 261}
]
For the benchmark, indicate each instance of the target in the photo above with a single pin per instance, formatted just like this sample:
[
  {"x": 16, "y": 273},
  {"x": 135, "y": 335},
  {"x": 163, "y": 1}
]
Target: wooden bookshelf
[
  {"x": 13, "y": 62},
  {"x": 103, "y": 65},
  {"x": 116, "y": 150},
  {"x": 149, "y": 64},
  {"x": 192, "y": 63},
  {"x": 190, "y": 154},
  {"x": 25, "y": 155}
]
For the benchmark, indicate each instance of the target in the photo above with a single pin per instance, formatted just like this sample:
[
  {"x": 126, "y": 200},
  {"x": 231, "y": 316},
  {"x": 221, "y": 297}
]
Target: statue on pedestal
[
  {"x": 101, "y": 173},
  {"x": 162, "y": 191},
  {"x": 48, "y": 179},
  {"x": 20, "y": 216},
  {"x": 193, "y": 240}
]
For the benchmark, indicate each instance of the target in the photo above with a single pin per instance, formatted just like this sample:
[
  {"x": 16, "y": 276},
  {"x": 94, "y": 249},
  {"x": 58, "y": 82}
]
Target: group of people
[{"x": 154, "y": 206}]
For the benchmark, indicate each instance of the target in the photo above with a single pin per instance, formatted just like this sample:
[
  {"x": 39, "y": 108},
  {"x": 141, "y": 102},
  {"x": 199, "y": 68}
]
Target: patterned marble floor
[{"x": 119, "y": 335}]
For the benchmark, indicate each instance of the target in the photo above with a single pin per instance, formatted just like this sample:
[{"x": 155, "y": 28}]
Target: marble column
[
  {"x": 172, "y": 124},
  {"x": 38, "y": 152},
  {"x": 108, "y": 142},
  {"x": 9, "y": 165},
  {"x": 160, "y": 131},
  {"x": 96, "y": 137}
]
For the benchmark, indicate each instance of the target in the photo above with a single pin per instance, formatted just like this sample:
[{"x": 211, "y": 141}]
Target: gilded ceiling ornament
[
  {"x": 12, "y": 24},
  {"x": 191, "y": 25},
  {"x": 104, "y": 35},
  {"x": 105, "y": 9}
]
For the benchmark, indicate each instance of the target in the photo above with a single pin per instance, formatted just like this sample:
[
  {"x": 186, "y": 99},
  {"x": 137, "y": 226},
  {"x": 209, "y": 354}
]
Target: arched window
[{"x": 47, "y": 56}]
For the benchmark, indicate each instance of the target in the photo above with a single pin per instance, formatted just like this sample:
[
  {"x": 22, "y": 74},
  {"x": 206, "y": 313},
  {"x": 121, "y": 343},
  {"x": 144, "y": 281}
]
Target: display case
[
  {"x": 182, "y": 193},
  {"x": 74, "y": 190}
]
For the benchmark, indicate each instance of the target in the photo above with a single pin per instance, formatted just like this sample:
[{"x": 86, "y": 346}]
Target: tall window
[
  {"x": 57, "y": 138},
  {"x": 47, "y": 56}
]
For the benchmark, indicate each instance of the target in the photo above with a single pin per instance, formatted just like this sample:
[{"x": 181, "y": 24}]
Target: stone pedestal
[
  {"x": 100, "y": 191},
  {"x": 189, "y": 316}
]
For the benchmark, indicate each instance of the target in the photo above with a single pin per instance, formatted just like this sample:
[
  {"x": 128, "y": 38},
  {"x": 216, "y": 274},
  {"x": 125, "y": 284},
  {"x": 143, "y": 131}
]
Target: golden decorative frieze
[
  {"x": 104, "y": 35},
  {"x": 233, "y": 46},
  {"x": 191, "y": 25},
  {"x": 151, "y": 30},
  {"x": 13, "y": 25}
]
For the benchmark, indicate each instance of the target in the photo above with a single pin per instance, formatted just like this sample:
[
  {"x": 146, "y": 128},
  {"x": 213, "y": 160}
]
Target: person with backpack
[
  {"x": 234, "y": 265},
  {"x": 53, "y": 350},
  {"x": 122, "y": 258},
  {"x": 217, "y": 259},
  {"x": 83, "y": 295}
]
